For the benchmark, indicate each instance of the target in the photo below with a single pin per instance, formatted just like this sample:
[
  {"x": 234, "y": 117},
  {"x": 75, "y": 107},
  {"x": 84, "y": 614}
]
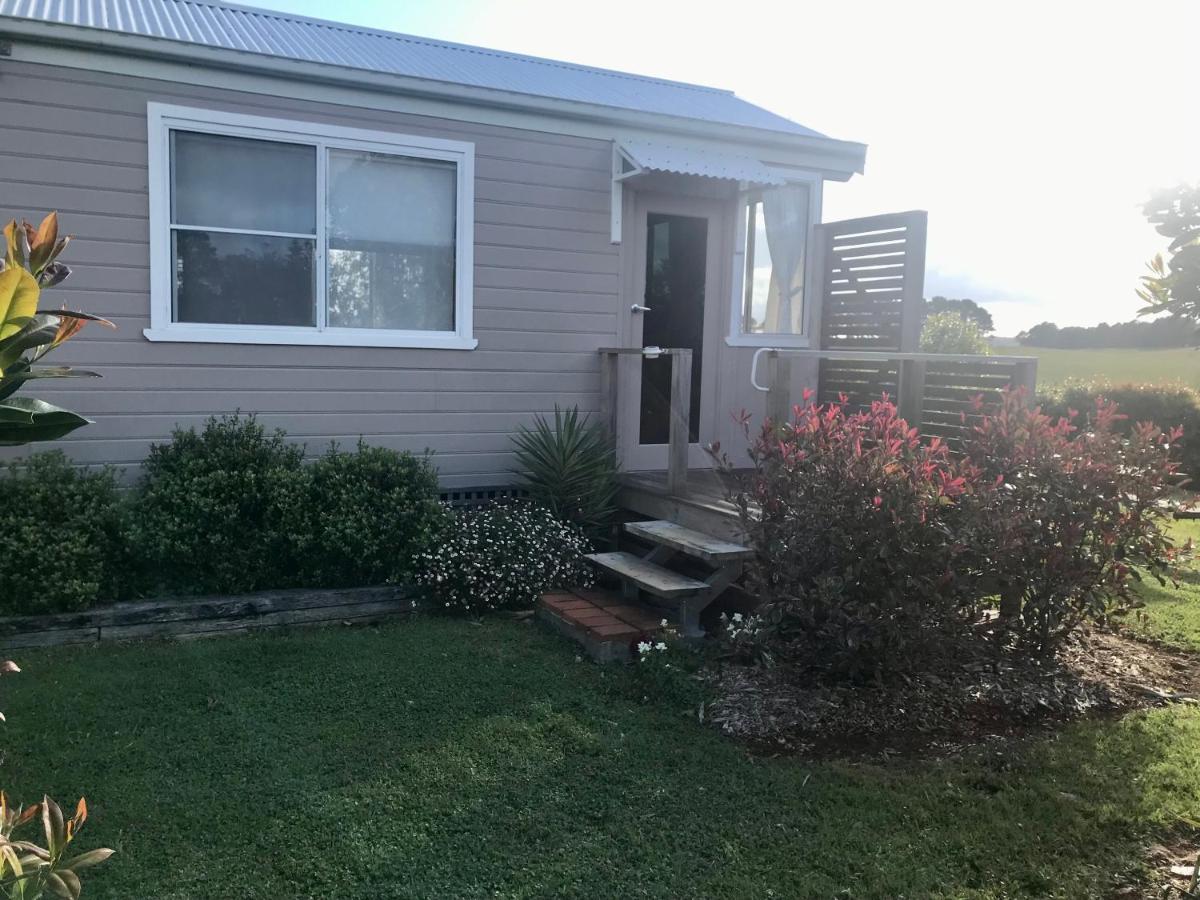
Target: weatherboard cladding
[
  {"x": 546, "y": 286},
  {"x": 311, "y": 40}
]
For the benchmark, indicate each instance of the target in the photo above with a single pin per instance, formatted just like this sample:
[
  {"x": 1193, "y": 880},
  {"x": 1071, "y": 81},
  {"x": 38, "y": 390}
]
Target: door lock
[{"x": 638, "y": 308}]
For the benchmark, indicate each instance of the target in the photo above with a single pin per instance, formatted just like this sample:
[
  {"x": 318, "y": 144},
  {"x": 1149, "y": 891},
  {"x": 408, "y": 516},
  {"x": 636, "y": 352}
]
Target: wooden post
[
  {"x": 911, "y": 373},
  {"x": 1025, "y": 376},
  {"x": 608, "y": 393},
  {"x": 912, "y": 309},
  {"x": 817, "y": 281},
  {"x": 779, "y": 395},
  {"x": 681, "y": 406}
]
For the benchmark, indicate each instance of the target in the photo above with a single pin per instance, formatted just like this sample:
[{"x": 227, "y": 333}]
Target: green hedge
[
  {"x": 212, "y": 505},
  {"x": 1166, "y": 405},
  {"x": 228, "y": 509},
  {"x": 364, "y": 517},
  {"x": 63, "y": 537}
]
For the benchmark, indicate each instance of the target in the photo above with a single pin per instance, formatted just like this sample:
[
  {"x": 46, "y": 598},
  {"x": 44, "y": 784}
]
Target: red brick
[
  {"x": 614, "y": 631},
  {"x": 601, "y": 597},
  {"x": 590, "y": 616},
  {"x": 639, "y": 617},
  {"x": 564, "y": 604}
]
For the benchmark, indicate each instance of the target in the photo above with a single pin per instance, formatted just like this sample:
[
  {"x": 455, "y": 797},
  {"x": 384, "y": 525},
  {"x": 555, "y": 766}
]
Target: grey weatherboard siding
[{"x": 547, "y": 284}]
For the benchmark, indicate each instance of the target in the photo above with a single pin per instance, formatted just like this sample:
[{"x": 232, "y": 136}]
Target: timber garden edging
[{"x": 203, "y": 616}]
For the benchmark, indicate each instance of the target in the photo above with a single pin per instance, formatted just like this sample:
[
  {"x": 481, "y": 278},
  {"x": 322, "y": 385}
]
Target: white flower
[
  {"x": 737, "y": 617},
  {"x": 663, "y": 624},
  {"x": 660, "y": 646},
  {"x": 643, "y": 647}
]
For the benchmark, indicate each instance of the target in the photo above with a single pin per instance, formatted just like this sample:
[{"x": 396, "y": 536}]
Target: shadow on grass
[{"x": 446, "y": 759}]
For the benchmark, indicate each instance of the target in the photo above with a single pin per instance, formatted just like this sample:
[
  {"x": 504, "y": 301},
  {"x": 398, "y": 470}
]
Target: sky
[{"x": 1032, "y": 132}]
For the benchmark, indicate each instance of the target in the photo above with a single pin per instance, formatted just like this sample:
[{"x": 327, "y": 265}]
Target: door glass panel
[{"x": 676, "y": 263}]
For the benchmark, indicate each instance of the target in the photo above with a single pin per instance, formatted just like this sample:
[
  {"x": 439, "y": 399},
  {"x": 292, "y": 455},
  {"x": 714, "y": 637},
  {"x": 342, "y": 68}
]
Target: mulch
[{"x": 782, "y": 711}]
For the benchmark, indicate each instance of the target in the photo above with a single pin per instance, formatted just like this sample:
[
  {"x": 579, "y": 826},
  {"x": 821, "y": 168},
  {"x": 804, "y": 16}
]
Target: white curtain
[
  {"x": 378, "y": 199},
  {"x": 220, "y": 181},
  {"x": 786, "y": 214}
]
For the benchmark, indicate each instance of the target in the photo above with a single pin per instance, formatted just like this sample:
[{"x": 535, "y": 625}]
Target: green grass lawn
[
  {"x": 440, "y": 758},
  {"x": 1118, "y": 366},
  {"x": 1172, "y": 614}
]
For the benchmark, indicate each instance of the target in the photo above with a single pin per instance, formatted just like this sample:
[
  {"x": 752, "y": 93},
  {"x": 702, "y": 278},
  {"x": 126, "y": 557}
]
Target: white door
[{"x": 675, "y": 280}]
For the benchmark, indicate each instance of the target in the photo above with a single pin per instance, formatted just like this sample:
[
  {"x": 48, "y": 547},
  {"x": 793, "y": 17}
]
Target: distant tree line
[{"x": 1169, "y": 331}]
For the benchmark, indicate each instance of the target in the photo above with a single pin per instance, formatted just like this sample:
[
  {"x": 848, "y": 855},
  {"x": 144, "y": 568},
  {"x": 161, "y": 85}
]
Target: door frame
[{"x": 635, "y": 456}]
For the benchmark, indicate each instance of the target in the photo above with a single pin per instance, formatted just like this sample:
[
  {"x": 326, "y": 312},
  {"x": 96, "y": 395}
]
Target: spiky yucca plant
[{"x": 569, "y": 467}]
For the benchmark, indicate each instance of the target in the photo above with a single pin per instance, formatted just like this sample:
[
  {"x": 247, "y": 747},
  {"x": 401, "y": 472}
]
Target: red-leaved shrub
[
  {"x": 876, "y": 549},
  {"x": 852, "y": 516},
  {"x": 1071, "y": 516}
]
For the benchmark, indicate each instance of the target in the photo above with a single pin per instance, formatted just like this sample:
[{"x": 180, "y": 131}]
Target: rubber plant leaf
[
  {"x": 18, "y": 299},
  {"x": 27, "y": 419}
]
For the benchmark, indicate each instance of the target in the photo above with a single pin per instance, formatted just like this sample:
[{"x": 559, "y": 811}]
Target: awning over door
[
  {"x": 634, "y": 158},
  {"x": 652, "y": 156}
]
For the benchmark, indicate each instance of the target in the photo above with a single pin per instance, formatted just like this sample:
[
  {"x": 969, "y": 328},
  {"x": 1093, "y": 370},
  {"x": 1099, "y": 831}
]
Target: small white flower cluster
[
  {"x": 503, "y": 556},
  {"x": 645, "y": 648},
  {"x": 741, "y": 628}
]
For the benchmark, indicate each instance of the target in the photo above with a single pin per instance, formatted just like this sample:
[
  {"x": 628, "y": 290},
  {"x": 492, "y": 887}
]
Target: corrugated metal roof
[
  {"x": 683, "y": 160},
  {"x": 269, "y": 33}
]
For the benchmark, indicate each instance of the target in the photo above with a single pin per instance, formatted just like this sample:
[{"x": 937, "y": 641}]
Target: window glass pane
[
  {"x": 219, "y": 181},
  {"x": 243, "y": 279},
  {"x": 776, "y": 238},
  {"x": 390, "y": 234}
]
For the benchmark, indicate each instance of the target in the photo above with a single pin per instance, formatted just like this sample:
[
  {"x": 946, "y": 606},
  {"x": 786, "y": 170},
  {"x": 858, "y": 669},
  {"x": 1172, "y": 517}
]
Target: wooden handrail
[{"x": 680, "y": 408}]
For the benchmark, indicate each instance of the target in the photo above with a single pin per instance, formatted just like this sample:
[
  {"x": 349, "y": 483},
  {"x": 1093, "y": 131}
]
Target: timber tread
[
  {"x": 650, "y": 577},
  {"x": 696, "y": 544}
]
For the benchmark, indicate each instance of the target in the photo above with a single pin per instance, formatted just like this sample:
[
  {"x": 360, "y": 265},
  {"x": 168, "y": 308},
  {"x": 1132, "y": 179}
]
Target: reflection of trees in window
[
  {"x": 243, "y": 279},
  {"x": 390, "y": 286}
]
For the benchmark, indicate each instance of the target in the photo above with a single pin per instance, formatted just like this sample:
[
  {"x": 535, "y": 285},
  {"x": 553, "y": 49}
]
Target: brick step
[{"x": 605, "y": 623}]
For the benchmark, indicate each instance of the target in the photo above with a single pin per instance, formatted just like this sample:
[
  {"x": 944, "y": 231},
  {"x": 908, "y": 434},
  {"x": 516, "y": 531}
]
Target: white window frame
[
  {"x": 163, "y": 118},
  {"x": 739, "y": 338}
]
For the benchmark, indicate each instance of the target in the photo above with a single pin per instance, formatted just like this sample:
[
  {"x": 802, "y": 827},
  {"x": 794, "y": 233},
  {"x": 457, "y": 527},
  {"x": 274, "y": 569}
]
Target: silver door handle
[{"x": 638, "y": 308}]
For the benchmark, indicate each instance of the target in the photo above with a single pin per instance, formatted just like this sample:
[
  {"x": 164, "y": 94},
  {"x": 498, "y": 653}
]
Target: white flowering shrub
[{"x": 503, "y": 556}]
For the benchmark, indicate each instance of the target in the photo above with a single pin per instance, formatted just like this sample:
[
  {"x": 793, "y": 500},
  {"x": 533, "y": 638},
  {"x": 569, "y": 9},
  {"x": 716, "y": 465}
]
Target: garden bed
[
  {"x": 200, "y": 616},
  {"x": 781, "y": 710}
]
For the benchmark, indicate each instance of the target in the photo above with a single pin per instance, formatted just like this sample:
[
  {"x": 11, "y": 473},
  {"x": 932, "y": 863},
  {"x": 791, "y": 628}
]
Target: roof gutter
[{"x": 836, "y": 157}]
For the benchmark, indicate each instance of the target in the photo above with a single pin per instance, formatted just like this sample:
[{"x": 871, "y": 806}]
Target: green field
[{"x": 1117, "y": 366}]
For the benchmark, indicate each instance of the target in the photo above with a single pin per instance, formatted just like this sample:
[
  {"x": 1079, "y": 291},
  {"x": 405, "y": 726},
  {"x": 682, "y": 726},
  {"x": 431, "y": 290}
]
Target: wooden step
[
  {"x": 696, "y": 544},
  {"x": 653, "y": 579}
]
